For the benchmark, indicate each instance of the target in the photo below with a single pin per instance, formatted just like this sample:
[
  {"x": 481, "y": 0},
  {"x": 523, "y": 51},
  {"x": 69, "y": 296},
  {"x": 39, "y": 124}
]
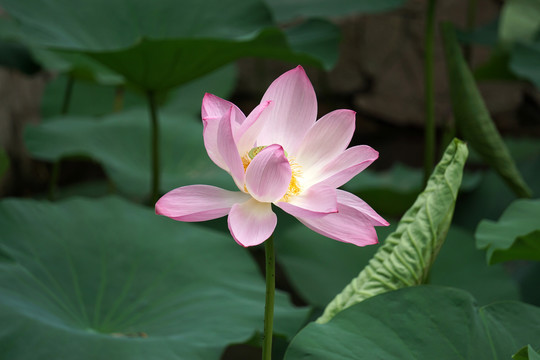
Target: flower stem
[
  {"x": 429, "y": 134},
  {"x": 269, "y": 304},
  {"x": 154, "y": 143},
  {"x": 119, "y": 98},
  {"x": 55, "y": 172},
  {"x": 67, "y": 95}
]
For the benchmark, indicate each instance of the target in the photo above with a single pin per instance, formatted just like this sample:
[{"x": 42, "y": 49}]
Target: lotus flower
[{"x": 279, "y": 154}]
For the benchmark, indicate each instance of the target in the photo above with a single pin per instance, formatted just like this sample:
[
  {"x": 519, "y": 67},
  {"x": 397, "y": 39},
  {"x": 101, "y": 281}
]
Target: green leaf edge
[
  {"x": 522, "y": 247},
  {"x": 474, "y": 122},
  {"x": 405, "y": 260},
  {"x": 526, "y": 352}
]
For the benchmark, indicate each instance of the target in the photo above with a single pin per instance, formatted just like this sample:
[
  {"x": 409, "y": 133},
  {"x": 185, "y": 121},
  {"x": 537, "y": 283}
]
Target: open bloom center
[{"x": 295, "y": 187}]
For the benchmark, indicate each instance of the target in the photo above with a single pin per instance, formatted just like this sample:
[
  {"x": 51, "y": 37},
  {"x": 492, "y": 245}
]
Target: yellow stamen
[{"x": 294, "y": 186}]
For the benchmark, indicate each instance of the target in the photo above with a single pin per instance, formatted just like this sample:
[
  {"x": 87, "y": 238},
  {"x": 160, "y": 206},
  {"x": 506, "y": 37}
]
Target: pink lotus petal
[
  {"x": 351, "y": 200},
  {"x": 215, "y": 107},
  {"x": 228, "y": 150},
  {"x": 251, "y": 222},
  {"x": 250, "y": 129},
  {"x": 328, "y": 138},
  {"x": 213, "y": 110},
  {"x": 316, "y": 201},
  {"x": 343, "y": 168},
  {"x": 198, "y": 203},
  {"x": 269, "y": 174},
  {"x": 293, "y": 112},
  {"x": 210, "y": 136},
  {"x": 347, "y": 225}
]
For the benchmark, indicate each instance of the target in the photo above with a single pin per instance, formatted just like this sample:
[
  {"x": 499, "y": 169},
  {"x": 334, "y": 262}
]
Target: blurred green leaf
[
  {"x": 515, "y": 236},
  {"x": 4, "y": 162},
  {"x": 526, "y": 353},
  {"x": 320, "y": 270},
  {"x": 459, "y": 258},
  {"x": 524, "y": 61},
  {"x": 95, "y": 100},
  {"x": 497, "y": 67},
  {"x": 473, "y": 119},
  {"x": 286, "y": 10},
  {"x": 120, "y": 142},
  {"x": 393, "y": 190},
  {"x": 424, "y": 322},
  {"x": 486, "y": 35},
  {"x": 481, "y": 203},
  {"x": 87, "y": 98},
  {"x": 106, "y": 279},
  {"x": 520, "y": 20},
  {"x": 16, "y": 56},
  {"x": 318, "y": 267},
  {"x": 30, "y": 57},
  {"x": 187, "y": 98},
  {"x": 315, "y": 37},
  {"x": 79, "y": 66},
  {"x": 406, "y": 257},
  {"x": 162, "y": 44}
]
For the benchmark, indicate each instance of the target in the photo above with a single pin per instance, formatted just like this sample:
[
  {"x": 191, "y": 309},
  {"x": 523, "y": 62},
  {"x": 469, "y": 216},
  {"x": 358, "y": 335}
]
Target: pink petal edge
[
  {"x": 347, "y": 225},
  {"x": 215, "y": 107},
  {"x": 314, "y": 202},
  {"x": 351, "y": 200},
  {"x": 198, "y": 203},
  {"x": 343, "y": 168},
  {"x": 228, "y": 149},
  {"x": 293, "y": 112},
  {"x": 327, "y": 139},
  {"x": 251, "y": 222}
]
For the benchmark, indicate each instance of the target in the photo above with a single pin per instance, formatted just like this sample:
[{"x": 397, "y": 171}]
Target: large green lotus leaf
[
  {"x": 160, "y": 44},
  {"x": 424, "y": 322},
  {"x": 323, "y": 268},
  {"x": 35, "y": 57},
  {"x": 107, "y": 279},
  {"x": 162, "y": 64},
  {"x": 473, "y": 119},
  {"x": 524, "y": 61},
  {"x": 93, "y": 99},
  {"x": 121, "y": 143},
  {"x": 79, "y": 66},
  {"x": 103, "y": 25},
  {"x": 286, "y": 10},
  {"x": 406, "y": 257},
  {"x": 515, "y": 236},
  {"x": 87, "y": 98},
  {"x": 187, "y": 98}
]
